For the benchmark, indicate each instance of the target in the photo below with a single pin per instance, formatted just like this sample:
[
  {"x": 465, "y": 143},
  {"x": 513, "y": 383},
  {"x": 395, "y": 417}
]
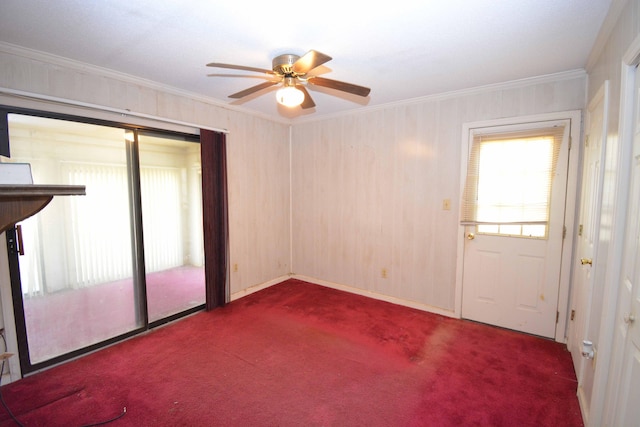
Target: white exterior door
[
  {"x": 510, "y": 278},
  {"x": 627, "y": 411}
]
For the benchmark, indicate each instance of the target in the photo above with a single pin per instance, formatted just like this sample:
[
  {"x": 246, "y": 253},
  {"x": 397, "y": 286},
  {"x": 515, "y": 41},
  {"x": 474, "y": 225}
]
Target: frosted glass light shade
[{"x": 289, "y": 96}]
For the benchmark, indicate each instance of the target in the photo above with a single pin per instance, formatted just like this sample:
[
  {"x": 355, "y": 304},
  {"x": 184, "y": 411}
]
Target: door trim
[
  {"x": 575, "y": 116},
  {"x": 606, "y": 377}
]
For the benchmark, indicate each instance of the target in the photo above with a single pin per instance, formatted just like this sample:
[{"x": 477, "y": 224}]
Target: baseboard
[
  {"x": 350, "y": 289},
  {"x": 243, "y": 293},
  {"x": 375, "y": 295},
  {"x": 582, "y": 401}
]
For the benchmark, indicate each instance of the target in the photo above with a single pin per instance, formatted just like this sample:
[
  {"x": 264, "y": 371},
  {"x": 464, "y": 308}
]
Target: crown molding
[
  {"x": 477, "y": 90},
  {"x": 127, "y": 78}
]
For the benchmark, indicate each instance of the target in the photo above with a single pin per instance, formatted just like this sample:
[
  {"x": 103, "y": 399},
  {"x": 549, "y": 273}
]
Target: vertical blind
[
  {"x": 510, "y": 176},
  {"x": 98, "y": 255}
]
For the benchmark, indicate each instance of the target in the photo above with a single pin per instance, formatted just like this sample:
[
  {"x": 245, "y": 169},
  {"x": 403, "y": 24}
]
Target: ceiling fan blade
[
  {"x": 335, "y": 84},
  {"x": 309, "y": 61},
  {"x": 244, "y": 76},
  {"x": 252, "y": 89},
  {"x": 240, "y": 67},
  {"x": 308, "y": 101}
]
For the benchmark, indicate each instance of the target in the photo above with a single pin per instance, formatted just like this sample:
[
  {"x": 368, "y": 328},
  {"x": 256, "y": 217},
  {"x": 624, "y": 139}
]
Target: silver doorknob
[
  {"x": 629, "y": 318},
  {"x": 586, "y": 261},
  {"x": 471, "y": 236}
]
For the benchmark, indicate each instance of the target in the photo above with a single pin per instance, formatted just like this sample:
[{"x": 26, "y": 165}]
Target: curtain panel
[{"x": 215, "y": 216}]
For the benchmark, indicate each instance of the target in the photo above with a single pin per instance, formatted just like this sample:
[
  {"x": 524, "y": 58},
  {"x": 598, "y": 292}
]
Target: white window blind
[
  {"x": 98, "y": 224},
  {"x": 509, "y": 178}
]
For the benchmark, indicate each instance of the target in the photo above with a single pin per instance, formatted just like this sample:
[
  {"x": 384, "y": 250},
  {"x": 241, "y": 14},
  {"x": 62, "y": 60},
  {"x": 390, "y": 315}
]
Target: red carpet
[{"x": 298, "y": 354}]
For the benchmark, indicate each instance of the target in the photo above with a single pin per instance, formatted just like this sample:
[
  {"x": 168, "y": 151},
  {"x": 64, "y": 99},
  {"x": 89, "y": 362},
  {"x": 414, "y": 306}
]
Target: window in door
[{"x": 508, "y": 187}]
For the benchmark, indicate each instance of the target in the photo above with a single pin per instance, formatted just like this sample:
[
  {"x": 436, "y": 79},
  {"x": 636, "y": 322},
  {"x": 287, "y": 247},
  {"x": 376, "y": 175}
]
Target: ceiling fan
[{"x": 291, "y": 70}]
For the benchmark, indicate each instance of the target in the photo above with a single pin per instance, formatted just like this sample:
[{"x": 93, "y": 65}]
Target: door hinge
[
  {"x": 586, "y": 141},
  {"x": 564, "y": 232},
  {"x": 570, "y": 142},
  {"x": 557, "y": 316},
  {"x": 573, "y": 314},
  {"x": 580, "y": 230}
]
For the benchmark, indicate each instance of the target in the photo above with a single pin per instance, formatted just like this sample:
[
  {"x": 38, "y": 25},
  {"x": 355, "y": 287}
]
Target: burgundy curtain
[{"x": 214, "y": 216}]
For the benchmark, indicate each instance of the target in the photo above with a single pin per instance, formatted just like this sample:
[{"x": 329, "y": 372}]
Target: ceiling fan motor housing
[{"x": 283, "y": 64}]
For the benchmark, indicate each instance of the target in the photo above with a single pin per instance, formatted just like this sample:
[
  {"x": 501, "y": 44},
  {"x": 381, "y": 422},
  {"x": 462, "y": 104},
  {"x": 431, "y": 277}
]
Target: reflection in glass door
[
  {"x": 88, "y": 275},
  {"x": 77, "y": 263},
  {"x": 171, "y": 192}
]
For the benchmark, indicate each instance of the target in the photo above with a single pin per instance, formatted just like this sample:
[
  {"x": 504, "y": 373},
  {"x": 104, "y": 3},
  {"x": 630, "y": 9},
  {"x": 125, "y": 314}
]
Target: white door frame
[
  {"x": 569, "y": 214},
  {"x": 606, "y": 378}
]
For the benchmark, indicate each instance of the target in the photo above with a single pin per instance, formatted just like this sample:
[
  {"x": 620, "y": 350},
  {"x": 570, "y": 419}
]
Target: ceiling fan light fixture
[
  {"x": 289, "y": 96},
  {"x": 293, "y": 72}
]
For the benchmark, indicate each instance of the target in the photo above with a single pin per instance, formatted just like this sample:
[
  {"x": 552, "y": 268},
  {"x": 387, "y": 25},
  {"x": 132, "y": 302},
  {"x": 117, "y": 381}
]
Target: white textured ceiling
[{"x": 401, "y": 49}]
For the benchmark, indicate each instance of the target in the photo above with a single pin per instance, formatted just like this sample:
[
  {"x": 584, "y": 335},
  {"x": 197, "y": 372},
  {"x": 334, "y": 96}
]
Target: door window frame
[{"x": 528, "y": 212}]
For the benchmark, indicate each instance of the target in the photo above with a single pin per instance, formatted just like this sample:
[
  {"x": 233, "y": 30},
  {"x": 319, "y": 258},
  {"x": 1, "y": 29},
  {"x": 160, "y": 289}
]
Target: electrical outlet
[{"x": 383, "y": 273}]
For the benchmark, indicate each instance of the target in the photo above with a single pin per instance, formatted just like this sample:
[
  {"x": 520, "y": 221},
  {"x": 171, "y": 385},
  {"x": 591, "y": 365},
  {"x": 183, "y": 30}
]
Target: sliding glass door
[{"x": 113, "y": 262}]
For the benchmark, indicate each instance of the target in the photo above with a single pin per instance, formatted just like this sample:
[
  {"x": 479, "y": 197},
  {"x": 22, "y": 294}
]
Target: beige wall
[
  {"x": 368, "y": 188},
  {"x": 259, "y": 207}
]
